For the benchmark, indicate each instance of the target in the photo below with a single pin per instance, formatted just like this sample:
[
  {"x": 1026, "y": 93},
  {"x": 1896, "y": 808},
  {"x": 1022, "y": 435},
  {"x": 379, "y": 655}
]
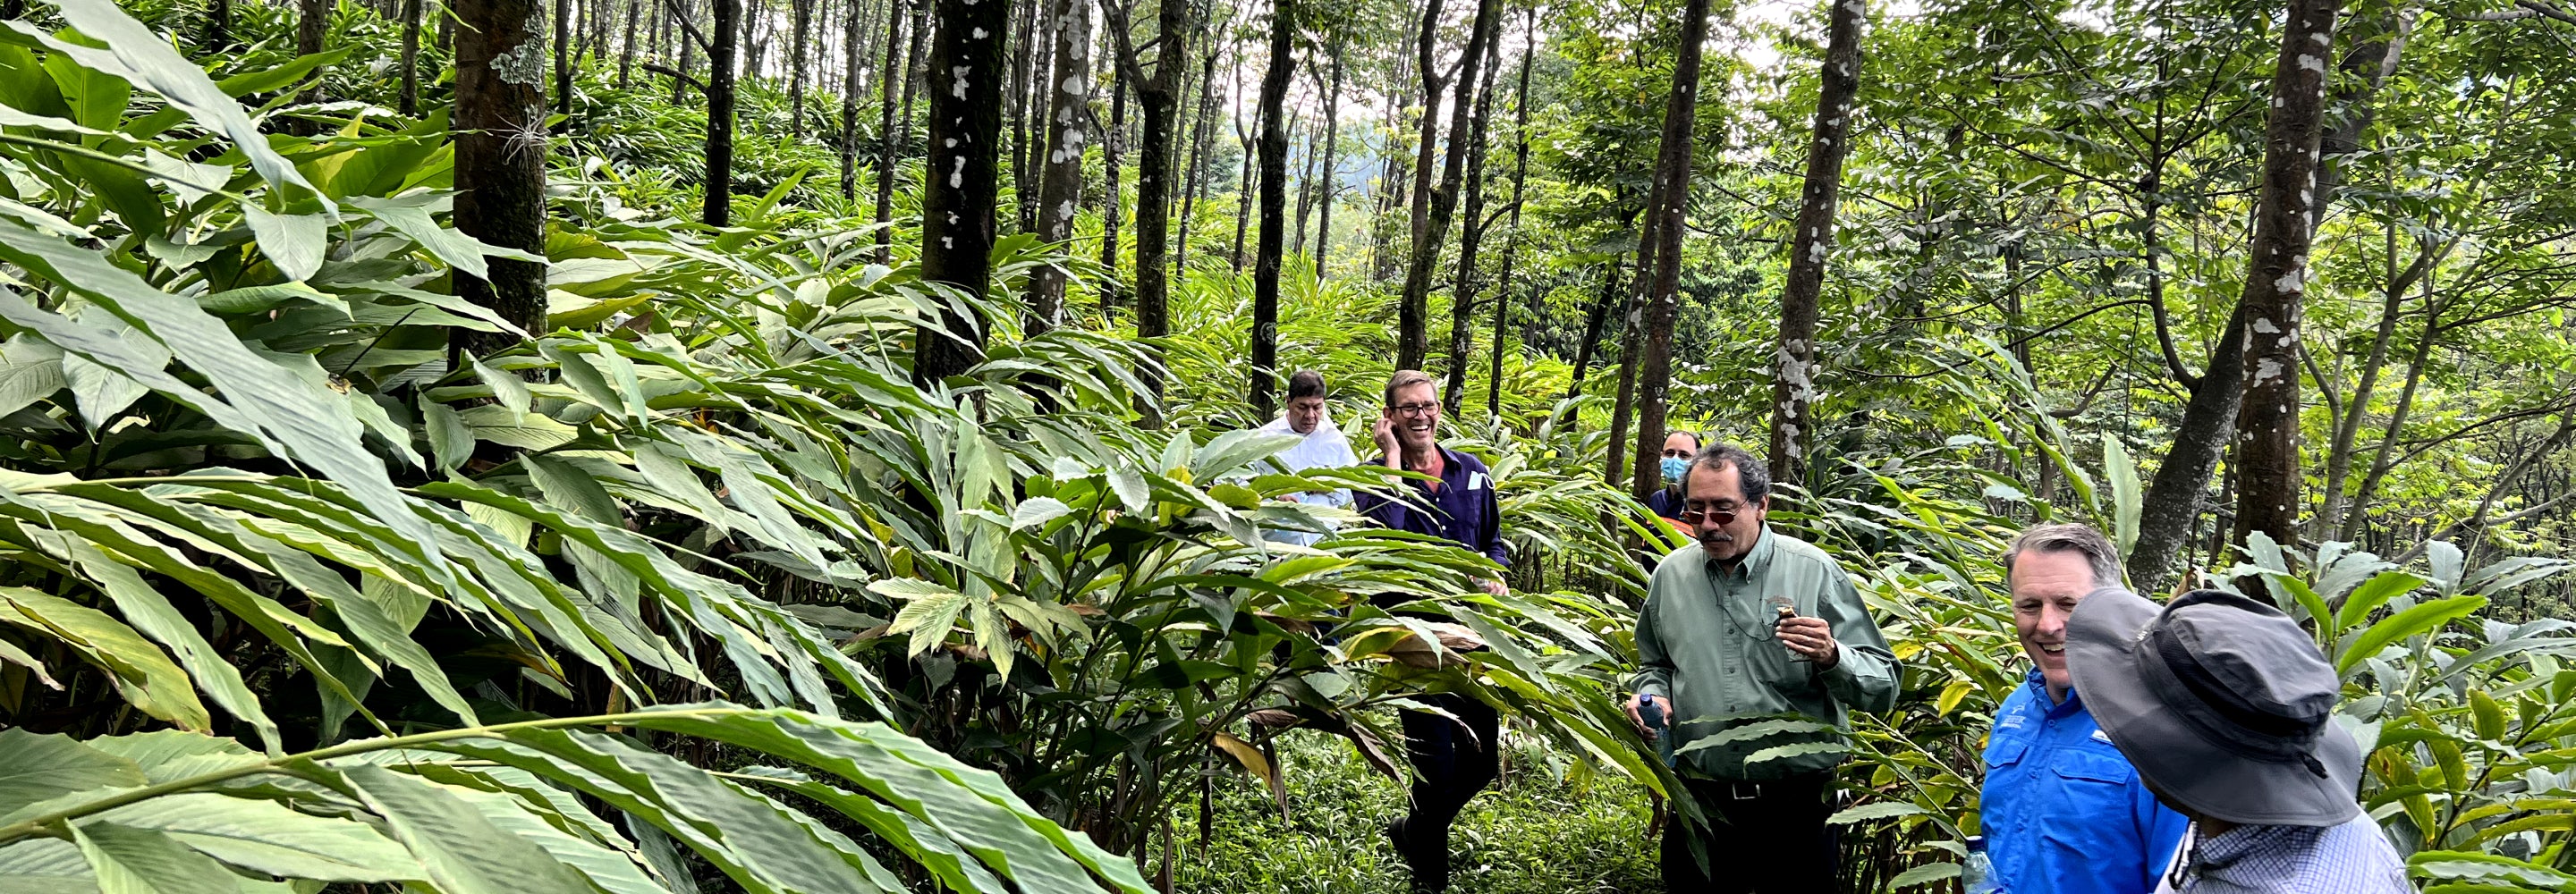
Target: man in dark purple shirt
[{"x": 1452, "y": 759}]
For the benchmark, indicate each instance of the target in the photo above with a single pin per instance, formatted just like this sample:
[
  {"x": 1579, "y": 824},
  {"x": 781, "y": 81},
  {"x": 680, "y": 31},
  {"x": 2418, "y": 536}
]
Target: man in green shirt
[{"x": 1747, "y": 626}]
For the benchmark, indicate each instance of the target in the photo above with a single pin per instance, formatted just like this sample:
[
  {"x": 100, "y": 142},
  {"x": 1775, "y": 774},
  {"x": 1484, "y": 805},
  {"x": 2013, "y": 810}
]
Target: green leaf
[
  {"x": 144, "y": 59},
  {"x": 2423, "y": 618},
  {"x": 141, "y": 861},
  {"x": 461, "y": 852},
  {"x": 294, "y": 242},
  {"x": 1876, "y": 811},
  {"x": 2371, "y": 595},
  {"x": 2446, "y": 563},
  {"x": 2489, "y": 715},
  {"x": 153, "y": 614},
  {"x": 527, "y": 431},
  {"x": 451, "y": 441},
  {"x": 146, "y": 676},
  {"x": 1926, "y": 873},
  {"x": 30, "y": 371},
  {"x": 265, "y": 836},
  {"x": 507, "y": 387},
  {"x": 36, "y": 767},
  {"x": 2126, "y": 495}
]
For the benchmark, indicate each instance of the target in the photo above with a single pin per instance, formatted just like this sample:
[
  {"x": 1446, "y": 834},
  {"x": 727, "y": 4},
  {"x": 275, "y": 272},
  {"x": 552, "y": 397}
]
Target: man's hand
[
  {"x": 1811, "y": 637},
  {"x": 1384, "y": 433},
  {"x": 1638, "y": 719},
  {"x": 1495, "y": 588}
]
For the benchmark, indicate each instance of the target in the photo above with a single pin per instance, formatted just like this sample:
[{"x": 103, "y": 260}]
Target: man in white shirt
[{"x": 1323, "y": 447}]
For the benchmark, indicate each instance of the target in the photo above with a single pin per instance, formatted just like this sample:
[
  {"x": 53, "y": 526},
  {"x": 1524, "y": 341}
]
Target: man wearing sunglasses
[
  {"x": 1752, "y": 627},
  {"x": 1454, "y": 756}
]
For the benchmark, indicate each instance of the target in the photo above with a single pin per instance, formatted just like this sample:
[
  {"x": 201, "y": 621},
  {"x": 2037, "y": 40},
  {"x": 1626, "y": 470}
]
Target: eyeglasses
[
  {"x": 1415, "y": 409},
  {"x": 1693, "y": 515},
  {"x": 1677, "y": 454}
]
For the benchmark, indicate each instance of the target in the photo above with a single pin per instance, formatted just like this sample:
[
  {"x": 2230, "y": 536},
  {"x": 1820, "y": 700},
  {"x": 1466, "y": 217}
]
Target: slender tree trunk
[
  {"x": 896, "y": 131},
  {"x": 625, "y": 50},
  {"x": 1393, "y": 175},
  {"x": 1592, "y": 324},
  {"x": 1305, "y": 195},
  {"x": 957, "y": 201},
  {"x": 1414, "y": 339},
  {"x": 1194, "y": 184},
  {"x": 1113, "y": 204},
  {"x": 1274, "y": 202},
  {"x": 312, "y": 21},
  {"x": 688, "y": 50},
  {"x": 1463, "y": 287},
  {"x": 1413, "y": 305},
  {"x": 501, "y": 161},
  {"x": 563, "y": 58},
  {"x": 1632, "y": 322},
  {"x": 803, "y": 12},
  {"x": 1157, "y": 96},
  {"x": 1332, "y": 186},
  {"x": 2384, "y": 458},
  {"x": 1672, "y": 187},
  {"x": 1024, "y": 59},
  {"x": 1793, "y": 390},
  {"x": 850, "y": 48},
  {"x": 411, "y": 14},
  {"x": 1060, "y": 184},
  {"x": 1512, "y": 243},
  {"x": 219, "y": 25},
  {"x": 720, "y": 100},
  {"x": 2268, "y": 500},
  {"x": 1243, "y": 190}
]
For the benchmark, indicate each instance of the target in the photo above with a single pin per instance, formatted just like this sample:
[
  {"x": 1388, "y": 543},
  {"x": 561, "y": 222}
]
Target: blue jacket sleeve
[
  {"x": 2160, "y": 830},
  {"x": 1494, "y": 548}
]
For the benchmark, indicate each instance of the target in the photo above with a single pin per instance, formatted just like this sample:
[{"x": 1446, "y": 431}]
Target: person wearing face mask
[
  {"x": 1678, "y": 449},
  {"x": 1746, "y": 625}
]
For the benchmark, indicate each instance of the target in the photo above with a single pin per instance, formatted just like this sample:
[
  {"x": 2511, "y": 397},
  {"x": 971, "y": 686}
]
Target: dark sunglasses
[{"x": 1718, "y": 517}]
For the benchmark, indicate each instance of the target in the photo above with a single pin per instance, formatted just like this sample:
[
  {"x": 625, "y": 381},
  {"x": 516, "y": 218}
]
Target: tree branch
[{"x": 676, "y": 74}]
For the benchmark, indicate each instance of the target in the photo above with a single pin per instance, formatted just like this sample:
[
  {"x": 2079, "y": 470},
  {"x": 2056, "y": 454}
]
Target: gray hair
[
  {"x": 1749, "y": 472},
  {"x": 2069, "y": 537}
]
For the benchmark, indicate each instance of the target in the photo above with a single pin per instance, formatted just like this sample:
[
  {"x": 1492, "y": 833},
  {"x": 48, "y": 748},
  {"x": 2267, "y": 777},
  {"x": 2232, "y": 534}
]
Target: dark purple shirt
[{"x": 1464, "y": 509}]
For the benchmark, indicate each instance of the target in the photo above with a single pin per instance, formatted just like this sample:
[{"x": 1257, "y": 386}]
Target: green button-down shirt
[{"x": 1707, "y": 644}]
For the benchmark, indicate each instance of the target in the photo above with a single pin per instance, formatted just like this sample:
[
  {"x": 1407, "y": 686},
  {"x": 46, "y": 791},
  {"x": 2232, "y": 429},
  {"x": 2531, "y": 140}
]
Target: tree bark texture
[
  {"x": 501, "y": 159},
  {"x": 963, "y": 175},
  {"x": 1113, "y": 203},
  {"x": 2267, "y": 450},
  {"x": 1157, "y": 98},
  {"x": 803, "y": 11},
  {"x": 1413, "y": 304},
  {"x": 727, "y": 31},
  {"x": 896, "y": 131},
  {"x": 563, "y": 56},
  {"x": 1471, "y": 237},
  {"x": 411, "y": 13},
  {"x": 850, "y": 102},
  {"x": 1274, "y": 204},
  {"x": 1414, "y": 339},
  {"x": 1332, "y": 163},
  {"x": 625, "y": 51},
  {"x": 1793, "y": 387},
  {"x": 1512, "y": 240},
  {"x": 1672, "y": 189},
  {"x": 1060, "y": 183}
]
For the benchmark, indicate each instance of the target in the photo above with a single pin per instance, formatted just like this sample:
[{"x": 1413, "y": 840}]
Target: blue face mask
[{"x": 1674, "y": 466}]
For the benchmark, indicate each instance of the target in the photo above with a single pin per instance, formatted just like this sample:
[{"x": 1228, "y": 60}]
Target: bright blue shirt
[{"x": 2062, "y": 811}]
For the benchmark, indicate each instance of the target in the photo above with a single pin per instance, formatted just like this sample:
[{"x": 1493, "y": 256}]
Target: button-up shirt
[
  {"x": 2062, "y": 811},
  {"x": 1463, "y": 509},
  {"x": 2351, "y": 858},
  {"x": 1325, "y": 448},
  {"x": 1707, "y": 645}
]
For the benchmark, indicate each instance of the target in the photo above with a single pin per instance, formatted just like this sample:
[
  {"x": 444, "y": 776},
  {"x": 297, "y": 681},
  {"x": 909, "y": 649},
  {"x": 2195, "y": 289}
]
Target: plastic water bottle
[
  {"x": 1979, "y": 876},
  {"x": 1653, "y": 712}
]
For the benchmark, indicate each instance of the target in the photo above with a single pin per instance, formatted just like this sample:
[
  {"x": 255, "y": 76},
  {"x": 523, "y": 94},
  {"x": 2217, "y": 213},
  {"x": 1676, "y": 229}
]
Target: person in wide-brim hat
[
  {"x": 2226, "y": 709},
  {"x": 2223, "y": 703}
]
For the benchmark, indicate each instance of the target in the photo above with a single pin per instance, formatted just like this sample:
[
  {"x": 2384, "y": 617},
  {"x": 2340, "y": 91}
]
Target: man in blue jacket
[
  {"x": 2063, "y": 811},
  {"x": 1455, "y": 756}
]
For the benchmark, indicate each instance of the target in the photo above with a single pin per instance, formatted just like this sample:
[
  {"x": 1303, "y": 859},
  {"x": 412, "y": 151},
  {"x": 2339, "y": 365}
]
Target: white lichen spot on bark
[
  {"x": 525, "y": 64},
  {"x": 2289, "y": 283},
  {"x": 2311, "y": 63},
  {"x": 957, "y": 175},
  {"x": 957, "y": 86},
  {"x": 980, "y": 34},
  {"x": 2264, "y": 325},
  {"x": 2266, "y": 370}
]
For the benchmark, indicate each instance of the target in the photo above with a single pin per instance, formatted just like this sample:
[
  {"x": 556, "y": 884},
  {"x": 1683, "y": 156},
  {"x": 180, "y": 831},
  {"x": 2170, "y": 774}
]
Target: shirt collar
[
  {"x": 1756, "y": 563},
  {"x": 2038, "y": 683}
]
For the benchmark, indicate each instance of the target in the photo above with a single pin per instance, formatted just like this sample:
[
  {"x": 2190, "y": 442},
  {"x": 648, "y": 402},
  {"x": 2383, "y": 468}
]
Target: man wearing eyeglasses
[
  {"x": 1753, "y": 627},
  {"x": 1455, "y": 756}
]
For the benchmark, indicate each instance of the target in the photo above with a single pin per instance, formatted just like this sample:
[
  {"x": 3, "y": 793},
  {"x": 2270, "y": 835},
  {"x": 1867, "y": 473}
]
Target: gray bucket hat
[{"x": 2222, "y": 702}]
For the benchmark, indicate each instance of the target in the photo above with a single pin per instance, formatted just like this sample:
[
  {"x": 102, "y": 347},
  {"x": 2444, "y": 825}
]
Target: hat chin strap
[{"x": 2254, "y": 733}]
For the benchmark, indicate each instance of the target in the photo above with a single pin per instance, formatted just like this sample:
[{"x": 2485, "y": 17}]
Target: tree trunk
[
  {"x": 1672, "y": 187},
  {"x": 1274, "y": 202},
  {"x": 219, "y": 26},
  {"x": 411, "y": 57},
  {"x": 1631, "y": 323},
  {"x": 964, "y": 182},
  {"x": 1242, "y": 191},
  {"x": 1463, "y": 286},
  {"x": 1512, "y": 242},
  {"x": 1194, "y": 183},
  {"x": 1793, "y": 389},
  {"x": 1394, "y": 176},
  {"x": 1332, "y": 162},
  {"x": 688, "y": 48},
  {"x": 1413, "y": 306},
  {"x": 1414, "y": 343},
  {"x": 625, "y": 50},
  {"x": 501, "y": 161},
  {"x": 563, "y": 57},
  {"x": 1157, "y": 96},
  {"x": 1060, "y": 184},
  {"x": 1592, "y": 323},
  {"x": 895, "y": 131},
  {"x": 850, "y": 102},
  {"x": 725, "y": 30},
  {"x": 803, "y": 11},
  {"x": 2268, "y": 499},
  {"x": 1113, "y": 204}
]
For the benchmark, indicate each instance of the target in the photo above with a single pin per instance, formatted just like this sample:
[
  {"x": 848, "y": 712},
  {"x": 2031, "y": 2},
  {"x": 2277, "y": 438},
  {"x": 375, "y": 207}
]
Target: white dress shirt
[{"x": 1325, "y": 447}]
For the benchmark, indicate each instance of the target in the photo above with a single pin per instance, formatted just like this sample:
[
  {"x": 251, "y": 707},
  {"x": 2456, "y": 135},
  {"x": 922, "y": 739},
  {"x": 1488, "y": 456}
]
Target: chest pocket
[
  {"x": 2004, "y": 750},
  {"x": 2086, "y": 765}
]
